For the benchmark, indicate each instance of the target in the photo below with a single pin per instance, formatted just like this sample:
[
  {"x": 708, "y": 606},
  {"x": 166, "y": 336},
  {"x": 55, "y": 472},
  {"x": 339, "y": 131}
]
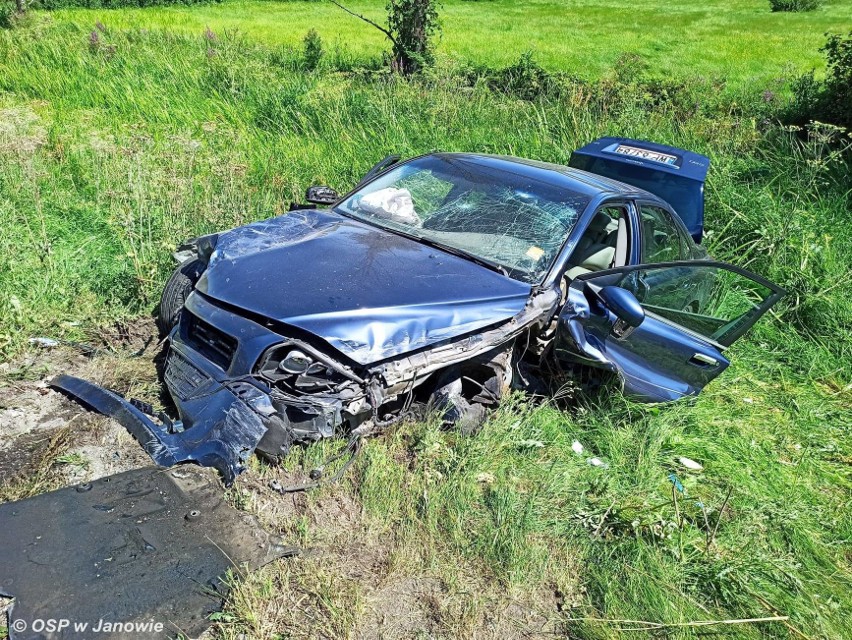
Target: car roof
[{"x": 589, "y": 184}]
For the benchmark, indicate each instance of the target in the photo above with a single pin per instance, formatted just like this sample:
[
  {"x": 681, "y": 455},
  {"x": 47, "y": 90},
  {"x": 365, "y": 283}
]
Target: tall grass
[{"x": 116, "y": 147}]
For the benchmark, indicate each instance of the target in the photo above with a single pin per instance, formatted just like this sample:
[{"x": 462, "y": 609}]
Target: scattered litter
[
  {"x": 748, "y": 400},
  {"x": 45, "y": 343},
  {"x": 690, "y": 464},
  {"x": 597, "y": 462},
  {"x": 677, "y": 484},
  {"x": 576, "y": 447}
]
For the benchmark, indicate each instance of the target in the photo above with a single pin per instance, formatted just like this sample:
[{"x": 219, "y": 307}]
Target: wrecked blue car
[{"x": 442, "y": 281}]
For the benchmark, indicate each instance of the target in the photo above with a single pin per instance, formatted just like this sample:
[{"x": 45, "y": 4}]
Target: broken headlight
[
  {"x": 297, "y": 362},
  {"x": 295, "y": 370}
]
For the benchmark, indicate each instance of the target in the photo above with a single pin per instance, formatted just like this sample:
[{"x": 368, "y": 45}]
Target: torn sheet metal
[
  {"x": 224, "y": 441},
  {"x": 144, "y": 546}
]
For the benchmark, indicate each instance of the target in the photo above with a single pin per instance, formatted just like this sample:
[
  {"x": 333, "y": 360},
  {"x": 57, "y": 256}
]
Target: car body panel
[
  {"x": 652, "y": 361},
  {"x": 675, "y": 175},
  {"x": 370, "y": 293},
  {"x": 660, "y": 360}
]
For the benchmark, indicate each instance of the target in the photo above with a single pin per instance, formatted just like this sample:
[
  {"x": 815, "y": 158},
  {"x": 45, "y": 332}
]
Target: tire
[{"x": 179, "y": 286}]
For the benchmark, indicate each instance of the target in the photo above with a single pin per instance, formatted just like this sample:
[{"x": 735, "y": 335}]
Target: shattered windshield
[{"x": 484, "y": 208}]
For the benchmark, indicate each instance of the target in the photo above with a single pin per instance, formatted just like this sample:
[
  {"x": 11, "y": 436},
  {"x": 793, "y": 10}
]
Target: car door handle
[{"x": 703, "y": 360}]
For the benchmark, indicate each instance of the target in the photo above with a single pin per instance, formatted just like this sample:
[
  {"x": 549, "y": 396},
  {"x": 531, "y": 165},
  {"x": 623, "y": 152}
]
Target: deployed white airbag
[{"x": 391, "y": 203}]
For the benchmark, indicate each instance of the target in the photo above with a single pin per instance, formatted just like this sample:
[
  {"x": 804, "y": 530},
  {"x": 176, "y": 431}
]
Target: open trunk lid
[{"x": 675, "y": 175}]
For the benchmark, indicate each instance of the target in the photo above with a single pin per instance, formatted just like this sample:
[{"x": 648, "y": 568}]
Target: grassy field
[
  {"x": 740, "y": 41},
  {"x": 115, "y": 147}
]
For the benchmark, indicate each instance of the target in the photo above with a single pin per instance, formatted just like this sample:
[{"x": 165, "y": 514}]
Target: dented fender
[{"x": 574, "y": 340}]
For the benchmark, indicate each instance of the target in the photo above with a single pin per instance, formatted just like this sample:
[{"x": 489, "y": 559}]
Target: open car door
[{"x": 663, "y": 327}]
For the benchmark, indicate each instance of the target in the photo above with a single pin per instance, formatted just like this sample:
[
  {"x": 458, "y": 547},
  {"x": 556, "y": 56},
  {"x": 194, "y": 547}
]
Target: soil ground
[{"x": 348, "y": 580}]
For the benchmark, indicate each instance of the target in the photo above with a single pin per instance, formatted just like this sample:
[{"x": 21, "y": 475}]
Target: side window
[
  {"x": 604, "y": 243},
  {"x": 661, "y": 237},
  {"x": 713, "y": 300}
]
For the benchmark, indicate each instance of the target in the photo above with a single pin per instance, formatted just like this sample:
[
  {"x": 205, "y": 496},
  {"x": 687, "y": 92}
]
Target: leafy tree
[{"x": 411, "y": 26}]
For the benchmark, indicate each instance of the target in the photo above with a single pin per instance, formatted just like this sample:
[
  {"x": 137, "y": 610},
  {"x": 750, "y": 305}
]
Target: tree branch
[{"x": 367, "y": 20}]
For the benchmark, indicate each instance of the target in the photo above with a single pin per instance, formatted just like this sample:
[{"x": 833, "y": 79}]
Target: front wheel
[{"x": 178, "y": 287}]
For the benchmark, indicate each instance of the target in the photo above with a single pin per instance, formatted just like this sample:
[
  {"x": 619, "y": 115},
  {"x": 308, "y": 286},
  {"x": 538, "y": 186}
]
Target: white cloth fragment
[{"x": 45, "y": 343}]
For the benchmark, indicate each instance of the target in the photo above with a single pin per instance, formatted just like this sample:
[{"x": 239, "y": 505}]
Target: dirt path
[{"x": 37, "y": 422}]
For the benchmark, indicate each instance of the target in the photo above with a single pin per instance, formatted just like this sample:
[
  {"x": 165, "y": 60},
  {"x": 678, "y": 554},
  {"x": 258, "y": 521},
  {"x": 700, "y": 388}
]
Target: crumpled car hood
[{"x": 368, "y": 292}]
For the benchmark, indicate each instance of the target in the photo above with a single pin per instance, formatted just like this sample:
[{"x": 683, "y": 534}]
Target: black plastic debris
[{"x": 125, "y": 555}]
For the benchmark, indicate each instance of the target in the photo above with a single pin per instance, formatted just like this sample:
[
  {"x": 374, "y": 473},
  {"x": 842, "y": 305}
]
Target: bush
[
  {"x": 828, "y": 101},
  {"x": 837, "y": 97},
  {"x": 312, "y": 50},
  {"x": 7, "y": 14},
  {"x": 525, "y": 79},
  {"x": 795, "y": 5}
]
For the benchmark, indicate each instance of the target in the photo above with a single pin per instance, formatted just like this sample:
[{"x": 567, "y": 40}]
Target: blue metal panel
[
  {"x": 675, "y": 175},
  {"x": 368, "y": 292}
]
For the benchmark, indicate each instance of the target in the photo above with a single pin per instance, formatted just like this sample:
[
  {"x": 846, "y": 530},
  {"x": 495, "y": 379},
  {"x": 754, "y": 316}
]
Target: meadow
[
  {"x": 738, "y": 41},
  {"x": 124, "y": 132}
]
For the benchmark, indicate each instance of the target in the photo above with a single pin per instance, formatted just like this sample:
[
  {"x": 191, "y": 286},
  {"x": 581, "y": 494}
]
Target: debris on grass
[
  {"x": 690, "y": 464},
  {"x": 44, "y": 343},
  {"x": 676, "y": 483},
  {"x": 159, "y": 546},
  {"x": 485, "y": 478}
]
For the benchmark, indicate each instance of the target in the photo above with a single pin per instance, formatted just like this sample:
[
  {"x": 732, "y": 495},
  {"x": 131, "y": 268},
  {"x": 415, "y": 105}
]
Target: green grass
[
  {"x": 741, "y": 41},
  {"x": 110, "y": 155}
]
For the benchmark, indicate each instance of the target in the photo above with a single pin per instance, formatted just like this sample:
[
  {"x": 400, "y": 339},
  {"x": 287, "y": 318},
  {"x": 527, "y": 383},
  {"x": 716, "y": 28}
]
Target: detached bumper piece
[
  {"x": 138, "y": 555},
  {"x": 224, "y": 440}
]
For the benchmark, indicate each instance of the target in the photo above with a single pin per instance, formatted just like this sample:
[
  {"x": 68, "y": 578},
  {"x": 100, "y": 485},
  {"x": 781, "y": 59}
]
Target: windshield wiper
[{"x": 482, "y": 262}]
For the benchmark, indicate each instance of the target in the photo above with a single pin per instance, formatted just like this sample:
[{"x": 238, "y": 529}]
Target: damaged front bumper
[
  {"x": 225, "y": 412},
  {"x": 234, "y": 397},
  {"x": 224, "y": 443}
]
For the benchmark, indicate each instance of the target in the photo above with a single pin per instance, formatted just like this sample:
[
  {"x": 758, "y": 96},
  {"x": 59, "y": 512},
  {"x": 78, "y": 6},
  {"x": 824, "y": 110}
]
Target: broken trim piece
[{"x": 224, "y": 445}]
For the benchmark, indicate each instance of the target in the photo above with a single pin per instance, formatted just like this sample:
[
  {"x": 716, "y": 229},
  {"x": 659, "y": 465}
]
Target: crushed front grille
[{"x": 215, "y": 345}]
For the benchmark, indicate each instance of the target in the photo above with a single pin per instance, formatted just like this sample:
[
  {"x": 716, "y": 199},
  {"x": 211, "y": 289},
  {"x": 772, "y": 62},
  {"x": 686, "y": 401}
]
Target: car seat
[{"x": 603, "y": 239}]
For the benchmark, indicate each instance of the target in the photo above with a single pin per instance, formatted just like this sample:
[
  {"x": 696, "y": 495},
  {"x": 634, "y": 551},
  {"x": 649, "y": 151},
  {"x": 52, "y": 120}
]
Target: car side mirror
[
  {"x": 625, "y": 306},
  {"x": 321, "y": 195}
]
